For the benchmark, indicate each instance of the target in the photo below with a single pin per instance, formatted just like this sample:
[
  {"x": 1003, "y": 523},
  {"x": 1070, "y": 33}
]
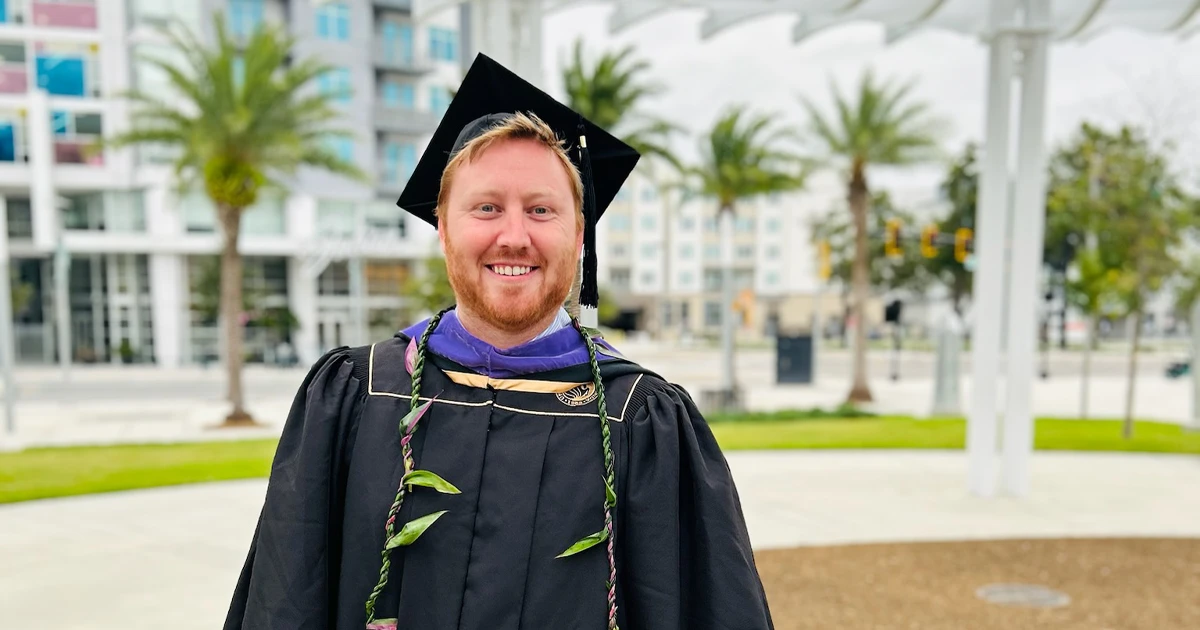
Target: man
[{"x": 498, "y": 466}]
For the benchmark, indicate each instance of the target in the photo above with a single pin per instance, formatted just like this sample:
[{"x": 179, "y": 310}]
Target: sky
[{"x": 1119, "y": 76}]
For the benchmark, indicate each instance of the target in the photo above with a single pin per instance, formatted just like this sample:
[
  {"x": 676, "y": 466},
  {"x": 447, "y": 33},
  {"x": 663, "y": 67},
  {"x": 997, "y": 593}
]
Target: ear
[{"x": 441, "y": 230}]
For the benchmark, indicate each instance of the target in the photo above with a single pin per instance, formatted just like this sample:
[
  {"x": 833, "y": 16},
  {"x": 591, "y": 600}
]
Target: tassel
[{"x": 589, "y": 293}]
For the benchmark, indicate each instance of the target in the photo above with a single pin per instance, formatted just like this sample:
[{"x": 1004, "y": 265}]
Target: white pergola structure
[{"x": 1011, "y": 211}]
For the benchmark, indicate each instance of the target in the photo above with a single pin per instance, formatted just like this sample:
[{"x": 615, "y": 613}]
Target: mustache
[{"x": 510, "y": 256}]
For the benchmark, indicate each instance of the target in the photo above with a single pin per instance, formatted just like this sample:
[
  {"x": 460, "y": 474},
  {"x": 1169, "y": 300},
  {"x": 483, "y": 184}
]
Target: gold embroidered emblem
[{"x": 579, "y": 395}]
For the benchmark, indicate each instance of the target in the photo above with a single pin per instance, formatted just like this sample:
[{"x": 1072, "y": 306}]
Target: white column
[
  {"x": 167, "y": 305},
  {"x": 302, "y": 300},
  {"x": 41, "y": 166},
  {"x": 1029, "y": 214},
  {"x": 990, "y": 224}
]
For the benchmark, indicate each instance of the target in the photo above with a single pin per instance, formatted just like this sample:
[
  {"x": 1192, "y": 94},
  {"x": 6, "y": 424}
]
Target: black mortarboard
[{"x": 488, "y": 94}]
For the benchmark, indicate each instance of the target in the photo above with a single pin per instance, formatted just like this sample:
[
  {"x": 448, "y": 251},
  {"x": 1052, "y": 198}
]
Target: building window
[
  {"x": 397, "y": 43},
  {"x": 333, "y": 21},
  {"x": 335, "y": 84},
  {"x": 712, "y": 313},
  {"x": 443, "y": 44},
  {"x": 712, "y": 252},
  {"x": 745, "y": 225},
  {"x": 335, "y": 219},
  {"x": 743, "y": 279},
  {"x": 772, "y": 252},
  {"x": 712, "y": 279},
  {"x": 687, "y": 224},
  {"x": 619, "y": 222},
  {"x": 385, "y": 219},
  {"x": 772, "y": 279},
  {"x": 342, "y": 147},
  {"x": 267, "y": 217},
  {"x": 63, "y": 73},
  {"x": 745, "y": 251},
  {"x": 686, "y": 251},
  {"x": 398, "y": 95},
  {"x": 619, "y": 278},
  {"x": 245, "y": 16},
  {"x": 622, "y": 194},
  {"x": 773, "y": 225},
  {"x": 648, "y": 278},
  {"x": 399, "y": 160},
  {"x": 335, "y": 279},
  {"x": 649, "y": 250},
  {"x": 649, "y": 222},
  {"x": 439, "y": 99},
  {"x": 710, "y": 225},
  {"x": 685, "y": 279},
  {"x": 20, "y": 218},
  {"x": 619, "y": 251},
  {"x": 649, "y": 194}
]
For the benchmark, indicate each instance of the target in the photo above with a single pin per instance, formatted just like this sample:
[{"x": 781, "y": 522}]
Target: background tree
[
  {"x": 880, "y": 126},
  {"x": 1121, "y": 194},
  {"x": 241, "y": 118},
  {"x": 907, "y": 274},
  {"x": 741, "y": 157},
  {"x": 608, "y": 93}
]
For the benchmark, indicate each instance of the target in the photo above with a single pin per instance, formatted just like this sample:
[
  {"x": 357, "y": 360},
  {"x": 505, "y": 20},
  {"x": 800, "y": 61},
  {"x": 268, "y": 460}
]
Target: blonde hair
[{"x": 519, "y": 126}]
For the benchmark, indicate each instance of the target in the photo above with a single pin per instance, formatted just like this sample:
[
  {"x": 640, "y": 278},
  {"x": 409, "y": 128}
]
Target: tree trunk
[
  {"x": 860, "y": 280},
  {"x": 1084, "y": 393},
  {"x": 1129, "y": 388},
  {"x": 728, "y": 378},
  {"x": 231, "y": 313}
]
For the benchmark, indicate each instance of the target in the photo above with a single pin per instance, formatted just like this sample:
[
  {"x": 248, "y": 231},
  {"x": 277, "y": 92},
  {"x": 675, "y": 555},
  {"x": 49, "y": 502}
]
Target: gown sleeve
[
  {"x": 686, "y": 556},
  {"x": 289, "y": 577}
]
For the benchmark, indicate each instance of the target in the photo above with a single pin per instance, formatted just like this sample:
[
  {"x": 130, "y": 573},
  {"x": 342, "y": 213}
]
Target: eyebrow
[{"x": 493, "y": 192}]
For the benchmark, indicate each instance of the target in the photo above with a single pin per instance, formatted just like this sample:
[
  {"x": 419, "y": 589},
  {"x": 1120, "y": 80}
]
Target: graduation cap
[{"x": 488, "y": 95}]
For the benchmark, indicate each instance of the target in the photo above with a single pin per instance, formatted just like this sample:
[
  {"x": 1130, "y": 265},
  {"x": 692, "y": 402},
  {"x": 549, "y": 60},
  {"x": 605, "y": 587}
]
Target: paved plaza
[
  {"x": 115, "y": 404},
  {"x": 134, "y": 560}
]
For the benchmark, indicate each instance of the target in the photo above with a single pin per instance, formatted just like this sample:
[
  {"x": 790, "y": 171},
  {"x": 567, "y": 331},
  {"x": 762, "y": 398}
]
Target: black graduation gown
[{"x": 527, "y": 457}]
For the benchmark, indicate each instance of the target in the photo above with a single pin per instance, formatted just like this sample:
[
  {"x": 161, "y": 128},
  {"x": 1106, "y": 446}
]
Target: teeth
[{"x": 506, "y": 270}]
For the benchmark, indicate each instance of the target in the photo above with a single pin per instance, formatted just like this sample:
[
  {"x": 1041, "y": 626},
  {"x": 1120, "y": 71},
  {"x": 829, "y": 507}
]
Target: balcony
[
  {"x": 79, "y": 14},
  {"x": 394, "y": 58},
  {"x": 404, "y": 121},
  {"x": 397, "y": 5}
]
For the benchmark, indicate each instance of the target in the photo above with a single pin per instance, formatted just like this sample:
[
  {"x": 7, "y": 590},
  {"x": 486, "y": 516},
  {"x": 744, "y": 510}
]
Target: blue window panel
[
  {"x": 8, "y": 141},
  {"x": 239, "y": 71},
  {"x": 333, "y": 21},
  {"x": 439, "y": 99},
  {"x": 397, "y": 42},
  {"x": 3, "y": 11},
  {"x": 391, "y": 94},
  {"x": 399, "y": 161},
  {"x": 443, "y": 44},
  {"x": 408, "y": 97},
  {"x": 61, "y": 76},
  {"x": 342, "y": 147},
  {"x": 60, "y": 122},
  {"x": 336, "y": 84},
  {"x": 408, "y": 160},
  {"x": 245, "y": 16}
]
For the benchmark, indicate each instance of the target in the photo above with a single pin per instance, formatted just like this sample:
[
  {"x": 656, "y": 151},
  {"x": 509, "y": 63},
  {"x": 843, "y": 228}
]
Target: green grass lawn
[{"x": 56, "y": 472}]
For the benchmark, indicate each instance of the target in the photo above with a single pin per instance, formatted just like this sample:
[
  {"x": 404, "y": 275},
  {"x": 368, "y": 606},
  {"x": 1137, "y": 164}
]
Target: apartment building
[
  {"x": 328, "y": 252},
  {"x": 661, "y": 260}
]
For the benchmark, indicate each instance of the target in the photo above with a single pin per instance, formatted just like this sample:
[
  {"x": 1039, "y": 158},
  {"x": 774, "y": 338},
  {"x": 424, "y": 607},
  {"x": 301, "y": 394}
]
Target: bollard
[{"x": 946, "y": 398}]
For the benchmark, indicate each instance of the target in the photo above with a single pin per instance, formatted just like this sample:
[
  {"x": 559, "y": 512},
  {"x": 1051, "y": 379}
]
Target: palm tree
[
  {"x": 740, "y": 158},
  {"x": 882, "y": 127},
  {"x": 240, "y": 121},
  {"x": 608, "y": 93}
]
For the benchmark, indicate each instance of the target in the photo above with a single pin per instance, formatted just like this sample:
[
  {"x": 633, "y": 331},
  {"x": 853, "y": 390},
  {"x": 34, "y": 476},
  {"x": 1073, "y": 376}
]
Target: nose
[{"x": 514, "y": 233}]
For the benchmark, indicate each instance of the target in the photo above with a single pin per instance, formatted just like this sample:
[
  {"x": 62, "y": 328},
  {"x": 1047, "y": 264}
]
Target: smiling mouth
[{"x": 512, "y": 271}]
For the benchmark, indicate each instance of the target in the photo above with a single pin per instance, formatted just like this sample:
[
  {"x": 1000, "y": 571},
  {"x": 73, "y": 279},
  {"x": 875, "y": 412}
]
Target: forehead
[{"x": 514, "y": 159}]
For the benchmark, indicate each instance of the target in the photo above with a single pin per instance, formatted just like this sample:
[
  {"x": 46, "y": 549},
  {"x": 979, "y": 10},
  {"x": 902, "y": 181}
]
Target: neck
[{"x": 501, "y": 338}]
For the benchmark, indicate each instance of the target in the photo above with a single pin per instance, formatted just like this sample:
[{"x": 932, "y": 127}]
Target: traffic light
[
  {"x": 929, "y": 236},
  {"x": 891, "y": 244},
  {"x": 962, "y": 243},
  {"x": 824, "y": 268}
]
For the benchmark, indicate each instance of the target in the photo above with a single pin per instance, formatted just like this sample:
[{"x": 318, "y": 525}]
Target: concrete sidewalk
[{"x": 150, "y": 559}]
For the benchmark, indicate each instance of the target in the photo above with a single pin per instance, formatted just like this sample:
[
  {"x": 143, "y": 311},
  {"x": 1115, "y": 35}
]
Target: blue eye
[
  {"x": 541, "y": 210},
  {"x": 487, "y": 207}
]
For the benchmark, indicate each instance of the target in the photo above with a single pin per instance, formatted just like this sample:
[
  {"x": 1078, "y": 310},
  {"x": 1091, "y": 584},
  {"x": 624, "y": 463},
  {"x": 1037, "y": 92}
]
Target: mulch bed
[{"x": 1113, "y": 584}]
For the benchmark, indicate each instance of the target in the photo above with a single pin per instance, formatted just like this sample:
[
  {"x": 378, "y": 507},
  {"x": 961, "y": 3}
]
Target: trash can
[{"x": 794, "y": 358}]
